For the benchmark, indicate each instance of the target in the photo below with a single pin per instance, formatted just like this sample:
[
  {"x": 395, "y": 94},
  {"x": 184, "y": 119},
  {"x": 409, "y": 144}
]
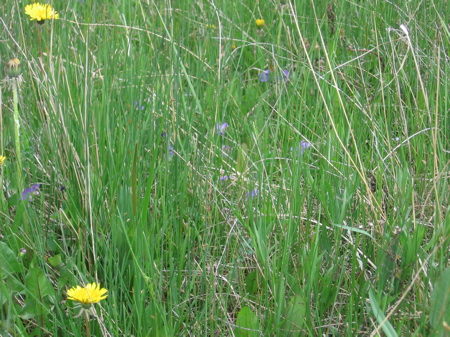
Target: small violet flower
[
  {"x": 226, "y": 150},
  {"x": 252, "y": 193},
  {"x": 285, "y": 75},
  {"x": 221, "y": 128},
  {"x": 265, "y": 75},
  {"x": 137, "y": 106},
  {"x": 171, "y": 150},
  {"x": 29, "y": 192},
  {"x": 303, "y": 145}
]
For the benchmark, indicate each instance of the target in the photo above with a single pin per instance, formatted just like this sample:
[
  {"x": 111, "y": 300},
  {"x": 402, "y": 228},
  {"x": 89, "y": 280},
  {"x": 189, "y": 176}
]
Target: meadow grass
[{"x": 321, "y": 210}]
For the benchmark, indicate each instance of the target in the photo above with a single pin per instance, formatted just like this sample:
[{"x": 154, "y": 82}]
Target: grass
[{"x": 342, "y": 238}]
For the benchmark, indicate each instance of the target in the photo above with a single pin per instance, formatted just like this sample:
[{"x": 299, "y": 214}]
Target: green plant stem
[
  {"x": 2, "y": 197},
  {"x": 86, "y": 321},
  {"x": 15, "y": 89},
  {"x": 39, "y": 32}
]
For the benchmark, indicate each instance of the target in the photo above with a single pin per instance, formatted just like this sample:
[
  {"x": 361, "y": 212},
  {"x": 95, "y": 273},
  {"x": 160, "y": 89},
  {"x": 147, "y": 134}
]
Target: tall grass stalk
[{"x": 15, "y": 91}]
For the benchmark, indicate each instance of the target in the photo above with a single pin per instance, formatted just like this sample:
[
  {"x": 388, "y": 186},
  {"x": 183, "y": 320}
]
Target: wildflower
[
  {"x": 260, "y": 23},
  {"x": 226, "y": 150},
  {"x": 221, "y": 128},
  {"x": 303, "y": 145},
  {"x": 265, "y": 75},
  {"x": 252, "y": 193},
  {"x": 285, "y": 75},
  {"x": 13, "y": 68},
  {"x": 92, "y": 293},
  {"x": 137, "y": 106},
  {"x": 2, "y": 160},
  {"x": 171, "y": 150},
  {"x": 29, "y": 192},
  {"x": 41, "y": 12}
]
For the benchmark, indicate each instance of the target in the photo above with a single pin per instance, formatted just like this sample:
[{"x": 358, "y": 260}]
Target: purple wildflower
[
  {"x": 29, "y": 192},
  {"x": 171, "y": 150},
  {"x": 226, "y": 150},
  {"x": 137, "y": 106},
  {"x": 221, "y": 128},
  {"x": 224, "y": 178},
  {"x": 303, "y": 145},
  {"x": 265, "y": 75},
  {"x": 163, "y": 134},
  {"x": 285, "y": 75},
  {"x": 253, "y": 193}
]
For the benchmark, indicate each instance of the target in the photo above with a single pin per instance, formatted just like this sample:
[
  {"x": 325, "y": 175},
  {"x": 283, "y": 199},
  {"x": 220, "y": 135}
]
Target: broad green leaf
[
  {"x": 4, "y": 295},
  {"x": 32, "y": 309},
  {"x": 381, "y": 318},
  {"x": 251, "y": 283},
  {"x": 295, "y": 314},
  {"x": 440, "y": 304},
  {"x": 56, "y": 261},
  {"x": 64, "y": 277},
  {"x": 9, "y": 264},
  {"x": 38, "y": 285},
  {"x": 247, "y": 324}
]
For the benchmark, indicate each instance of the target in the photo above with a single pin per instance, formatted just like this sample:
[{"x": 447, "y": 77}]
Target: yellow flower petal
[
  {"x": 41, "y": 12},
  {"x": 92, "y": 293}
]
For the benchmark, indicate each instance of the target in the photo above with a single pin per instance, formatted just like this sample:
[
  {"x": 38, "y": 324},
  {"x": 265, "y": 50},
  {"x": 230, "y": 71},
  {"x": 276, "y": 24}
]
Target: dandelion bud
[{"x": 13, "y": 68}]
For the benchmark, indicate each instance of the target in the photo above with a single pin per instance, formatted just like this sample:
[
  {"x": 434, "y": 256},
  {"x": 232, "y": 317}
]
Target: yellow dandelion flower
[
  {"x": 92, "y": 293},
  {"x": 260, "y": 23},
  {"x": 41, "y": 12},
  {"x": 2, "y": 159}
]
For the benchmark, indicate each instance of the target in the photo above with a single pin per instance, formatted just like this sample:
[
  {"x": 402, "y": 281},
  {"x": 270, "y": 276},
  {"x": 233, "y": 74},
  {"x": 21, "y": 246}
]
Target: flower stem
[
  {"x": 86, "y": 321},
  {"x": 15, "y": 89},
  {"x": 39, "y": 32}
]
